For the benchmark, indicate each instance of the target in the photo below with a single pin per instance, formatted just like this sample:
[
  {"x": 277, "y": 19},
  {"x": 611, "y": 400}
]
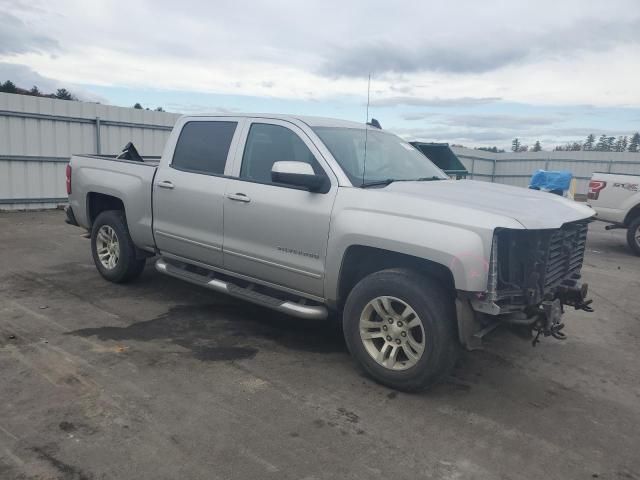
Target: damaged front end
[{"x": 532, "y": 276}]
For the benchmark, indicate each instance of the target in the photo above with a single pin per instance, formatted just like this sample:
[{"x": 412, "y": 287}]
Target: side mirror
[{"x": 298, "y": 174}]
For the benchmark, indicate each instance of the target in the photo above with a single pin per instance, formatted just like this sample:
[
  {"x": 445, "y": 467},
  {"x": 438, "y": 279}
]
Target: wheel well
[
  {"x": 99, "y": 202},
  {"x": 360, "y": 261},
  {"x": 632, "y": 215}
]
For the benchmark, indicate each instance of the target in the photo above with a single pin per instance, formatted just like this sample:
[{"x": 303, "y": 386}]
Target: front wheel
[
  {"x": 113, "y": 250},
  {"x": 633, "y": 236},
  {"x": 399, "y": 327}
]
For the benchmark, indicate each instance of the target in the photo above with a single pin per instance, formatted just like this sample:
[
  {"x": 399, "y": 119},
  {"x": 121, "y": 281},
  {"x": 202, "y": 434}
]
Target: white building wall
[
  {"x": 38, "y": 135},
  {"x": 517, "y": 168}
]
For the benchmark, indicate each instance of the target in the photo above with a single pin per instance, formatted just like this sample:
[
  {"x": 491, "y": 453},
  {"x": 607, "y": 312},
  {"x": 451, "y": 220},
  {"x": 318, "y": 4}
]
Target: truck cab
[{"x": 222, "y": 167}]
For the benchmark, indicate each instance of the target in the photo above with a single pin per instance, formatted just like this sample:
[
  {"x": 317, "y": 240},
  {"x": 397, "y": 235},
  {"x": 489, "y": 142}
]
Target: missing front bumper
[{"x": 477, "y": 317}]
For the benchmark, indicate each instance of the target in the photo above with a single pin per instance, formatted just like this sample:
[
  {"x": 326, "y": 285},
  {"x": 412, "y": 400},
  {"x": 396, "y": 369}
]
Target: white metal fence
[
  {"x": 517, "y": 168},
  {"x": 38, "y": 135}
]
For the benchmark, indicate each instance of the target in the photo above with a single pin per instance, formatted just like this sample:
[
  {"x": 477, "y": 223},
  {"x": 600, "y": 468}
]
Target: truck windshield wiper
[
  {"x": 377, "y": 183},
  {"x": 427, "y": 179},
  {"x": 387, "y": 181}
]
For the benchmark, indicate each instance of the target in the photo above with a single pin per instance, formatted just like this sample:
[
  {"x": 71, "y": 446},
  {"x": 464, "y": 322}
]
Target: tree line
[
  {"x": 605, "y": 143},
  {"x": 137, "y": 106},
  {"x": 61, "y": 93}
]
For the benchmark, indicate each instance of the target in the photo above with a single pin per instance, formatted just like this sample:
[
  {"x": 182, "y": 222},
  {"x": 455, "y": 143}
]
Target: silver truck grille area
[
  {"x": 532, "y": 264},
  {"x": 565, "y": 253}
]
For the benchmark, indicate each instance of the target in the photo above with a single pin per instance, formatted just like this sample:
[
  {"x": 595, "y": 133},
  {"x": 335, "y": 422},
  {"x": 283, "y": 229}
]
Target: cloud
[
  {"x": 195, "y": 108},
  {"x": 433, "y": 102},
  {"x": 480, "y": 136},
  {"x": 411, "y": 117},
  {"x": 25, "y": 77},
  {"x": 430, "y": 54},
  {"x": 380, "y": 57},
  {"x": 454, "y": 135},
  {"x": 463, "y": 52},
  {"x": 501, "y": 121},
  {"x": 17, "y": 37}
]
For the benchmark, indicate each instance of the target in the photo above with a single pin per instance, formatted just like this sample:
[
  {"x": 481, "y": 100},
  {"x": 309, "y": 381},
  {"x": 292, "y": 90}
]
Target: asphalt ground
[{"x": 159, "y": 379}]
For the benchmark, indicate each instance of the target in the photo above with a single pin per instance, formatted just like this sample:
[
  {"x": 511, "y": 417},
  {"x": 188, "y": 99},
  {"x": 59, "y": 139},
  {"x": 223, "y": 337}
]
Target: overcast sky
[{"x": 471, "y": 72}]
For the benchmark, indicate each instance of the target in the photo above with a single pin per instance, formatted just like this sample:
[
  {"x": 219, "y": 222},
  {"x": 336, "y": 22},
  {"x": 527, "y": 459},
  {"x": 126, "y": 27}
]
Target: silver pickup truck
[{"x": 311, "y": 215}]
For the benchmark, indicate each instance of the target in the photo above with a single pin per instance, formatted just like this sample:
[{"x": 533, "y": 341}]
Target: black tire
[
  {"x": 633, "y": 235},
  {"x": 128, "y": 265},
  {"x": 435, "y": 308}
]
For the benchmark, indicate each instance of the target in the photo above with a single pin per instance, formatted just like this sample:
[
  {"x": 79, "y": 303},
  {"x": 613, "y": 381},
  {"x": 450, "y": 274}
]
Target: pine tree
[
  {"x": 64, "y": 94},
  {"x": 8, "y": 87},
  {"x": 602, "y": 145},
  {"x": 611, "y": 144},
  {"x": 515, "y": 145},
  {"x": 493, "y": 149},
  {"x": 621, "y": 144},
  {"x": 35, "y": 92},
  {"x": 536, "y": 146},
  {"x": 588, "y": 144},
  {"x": 634, "y": 142}
]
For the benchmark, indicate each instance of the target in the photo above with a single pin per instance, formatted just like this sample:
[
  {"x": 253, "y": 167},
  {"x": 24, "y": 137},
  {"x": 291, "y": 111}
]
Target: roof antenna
[{"x": 366, "y": 130}]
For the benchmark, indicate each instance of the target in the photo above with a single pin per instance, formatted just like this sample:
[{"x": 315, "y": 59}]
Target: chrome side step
[{"x": 310, "y": 312}]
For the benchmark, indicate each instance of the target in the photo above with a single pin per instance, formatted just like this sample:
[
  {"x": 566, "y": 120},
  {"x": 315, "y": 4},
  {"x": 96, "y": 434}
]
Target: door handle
[
  {"x": 238, "y": 197},
  {"x": 166, "y": 184}
]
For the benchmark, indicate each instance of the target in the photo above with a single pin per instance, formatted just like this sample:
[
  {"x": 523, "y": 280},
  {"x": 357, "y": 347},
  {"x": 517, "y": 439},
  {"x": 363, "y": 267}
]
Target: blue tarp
[{"x": 551, "y": 180}]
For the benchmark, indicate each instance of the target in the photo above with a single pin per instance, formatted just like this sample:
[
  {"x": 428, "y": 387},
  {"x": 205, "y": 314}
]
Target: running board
[{"x": 309, "y": 312}]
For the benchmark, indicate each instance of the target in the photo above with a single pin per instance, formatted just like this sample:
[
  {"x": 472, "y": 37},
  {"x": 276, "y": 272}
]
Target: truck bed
[
  {"x": 127, "y": 180},
  {"x": 146, "y": 161}
]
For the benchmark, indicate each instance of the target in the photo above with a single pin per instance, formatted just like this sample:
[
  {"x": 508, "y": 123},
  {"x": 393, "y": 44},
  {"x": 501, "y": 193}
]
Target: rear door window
[{"x": 203, "y": 147}]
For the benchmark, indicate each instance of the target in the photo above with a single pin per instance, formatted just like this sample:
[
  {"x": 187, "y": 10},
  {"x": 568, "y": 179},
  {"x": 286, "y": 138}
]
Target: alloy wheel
[
  {"x": 108, "y": 247},
  {"x": 392, "y": 333}
]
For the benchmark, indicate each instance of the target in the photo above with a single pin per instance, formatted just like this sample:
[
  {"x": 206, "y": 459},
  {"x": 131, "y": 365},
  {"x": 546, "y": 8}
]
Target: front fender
[{"x": 465, "y": 253}]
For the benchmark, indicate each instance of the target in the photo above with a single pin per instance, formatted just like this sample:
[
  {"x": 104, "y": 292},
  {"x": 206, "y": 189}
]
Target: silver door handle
[
  {"x": 166, "y": 184},
  {"x": 238, "y": 197}
]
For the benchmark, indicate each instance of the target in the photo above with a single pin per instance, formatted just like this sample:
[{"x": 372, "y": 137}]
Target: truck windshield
[{"x": 389, "y": 158}]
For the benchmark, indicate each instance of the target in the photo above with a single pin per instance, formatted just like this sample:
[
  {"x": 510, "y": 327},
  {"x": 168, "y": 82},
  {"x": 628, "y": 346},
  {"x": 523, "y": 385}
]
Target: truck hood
[{"x": 533, "y": 209}]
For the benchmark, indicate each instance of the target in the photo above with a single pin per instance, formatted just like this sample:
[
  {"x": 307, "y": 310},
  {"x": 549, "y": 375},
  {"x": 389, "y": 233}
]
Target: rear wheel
[
  {"x": 633, "y": 235},
  {"x": 114, "y": 253},
  {"x": 399, "y": 327}
]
